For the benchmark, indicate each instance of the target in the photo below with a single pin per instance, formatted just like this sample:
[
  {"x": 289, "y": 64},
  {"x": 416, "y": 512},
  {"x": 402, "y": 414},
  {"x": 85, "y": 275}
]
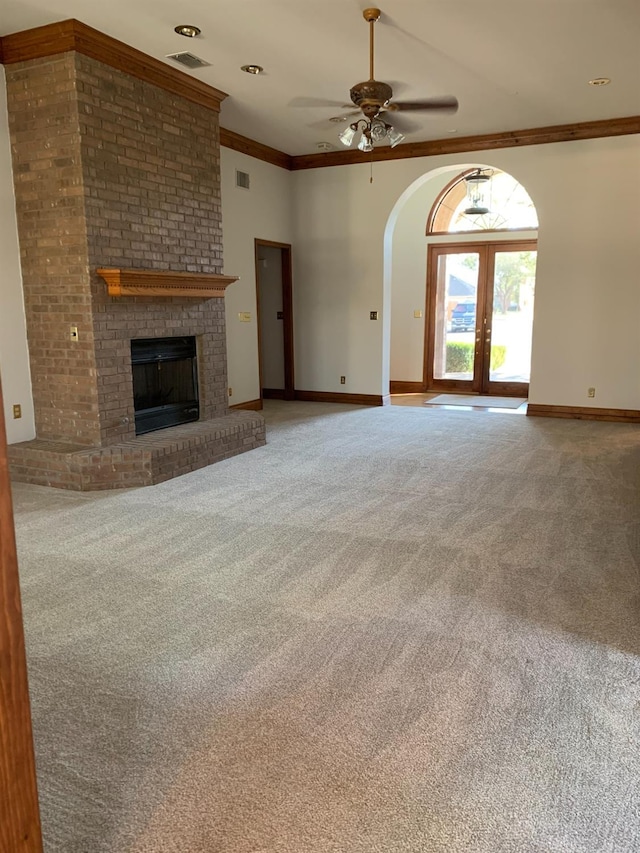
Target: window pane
[
  {"x": 512, "y": 316},
  {"x": 456, "y": 308},
  {"x": 509, "y": 204}
]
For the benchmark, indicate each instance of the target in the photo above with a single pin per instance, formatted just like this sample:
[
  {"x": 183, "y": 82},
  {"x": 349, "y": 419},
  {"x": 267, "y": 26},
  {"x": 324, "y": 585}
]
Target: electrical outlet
[
  {"x": 343, "y": 380},
  {"x": 591, "y": 392},
  {"x": 231, "y": 392},
  {"x": 17, "y": 410},
  {"x": 373, "y": 315},
  {"x": 417, "y": 314}
]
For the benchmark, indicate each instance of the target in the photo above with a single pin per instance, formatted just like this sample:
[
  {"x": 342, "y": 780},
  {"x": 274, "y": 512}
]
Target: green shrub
[
  {"x": 460, "y": 357},
  {"x": 498, "y": 355}
]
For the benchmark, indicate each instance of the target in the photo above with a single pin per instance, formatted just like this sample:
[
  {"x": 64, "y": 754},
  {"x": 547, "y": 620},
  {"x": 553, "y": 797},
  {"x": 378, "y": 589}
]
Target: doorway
[
  {"x": 480, "y": 317},
  {"x": 274, "y": 300}
]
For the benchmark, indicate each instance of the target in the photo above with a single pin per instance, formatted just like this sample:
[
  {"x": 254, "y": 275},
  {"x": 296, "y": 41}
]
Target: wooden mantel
[{"x": 157, "y": 283}]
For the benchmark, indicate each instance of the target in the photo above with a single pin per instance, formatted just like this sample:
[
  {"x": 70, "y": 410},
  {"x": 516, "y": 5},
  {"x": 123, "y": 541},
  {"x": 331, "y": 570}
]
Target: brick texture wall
[
  {"x": 110, "y": 171},
  {"x": 45, "y": 140}
]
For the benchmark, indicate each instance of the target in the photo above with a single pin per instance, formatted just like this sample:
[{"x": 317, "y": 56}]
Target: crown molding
[
  {"x": 465, "y": 144},
  {"x": 64, "y": 36},
  {"x": 73, "y": 35},
  {"x": 233, "y": 140}
]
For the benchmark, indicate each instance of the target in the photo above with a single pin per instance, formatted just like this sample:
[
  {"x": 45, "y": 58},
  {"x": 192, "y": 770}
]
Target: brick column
[
  {"x": 110, "y": 171},
  {"x": 50, "y": 205}
]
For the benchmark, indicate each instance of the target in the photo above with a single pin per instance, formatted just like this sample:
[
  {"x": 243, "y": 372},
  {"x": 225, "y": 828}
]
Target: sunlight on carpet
[{"x": 477, "y": 401}]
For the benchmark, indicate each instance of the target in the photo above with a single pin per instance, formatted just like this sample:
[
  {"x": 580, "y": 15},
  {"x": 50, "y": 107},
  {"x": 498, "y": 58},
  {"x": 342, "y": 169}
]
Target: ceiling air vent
[
  {"x": 190, "y": 60},
  {"x": 242, "y": 179}
]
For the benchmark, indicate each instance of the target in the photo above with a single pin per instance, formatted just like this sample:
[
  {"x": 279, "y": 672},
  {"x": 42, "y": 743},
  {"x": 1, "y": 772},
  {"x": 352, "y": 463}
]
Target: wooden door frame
[
  {"x": 287, "y": 311},
  {"x": 486, "y": 250},
  {"x": 469, "y": 386},
  {"x": 19, "y": 814}
]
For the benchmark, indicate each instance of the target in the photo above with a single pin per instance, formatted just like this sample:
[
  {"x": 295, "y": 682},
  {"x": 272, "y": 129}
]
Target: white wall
[
  {"x": 339, "y": 230},
  {"x": 14, "y": 356},
  {"x": 587, "y": 312},
  {"x": 264, "y": 212}
]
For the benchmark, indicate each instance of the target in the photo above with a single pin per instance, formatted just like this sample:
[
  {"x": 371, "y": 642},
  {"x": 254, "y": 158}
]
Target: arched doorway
[
  {"x": 480, "y": 288},
  {"x": 406, "y": 250}
]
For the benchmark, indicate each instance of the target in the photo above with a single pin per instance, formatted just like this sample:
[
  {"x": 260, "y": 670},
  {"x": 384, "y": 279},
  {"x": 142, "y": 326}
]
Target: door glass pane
[
  {"x": 512, "y": 316},
  {"x": 455, "y": 315}
]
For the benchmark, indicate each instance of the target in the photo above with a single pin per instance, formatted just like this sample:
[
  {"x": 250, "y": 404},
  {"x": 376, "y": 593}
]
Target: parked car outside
[{"x": 463, "y": 317}]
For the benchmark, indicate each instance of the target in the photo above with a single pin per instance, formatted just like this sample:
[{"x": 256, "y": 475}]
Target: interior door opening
[
  {"x": 480, "y": 317},
  {"x": 274, "y": 301}
]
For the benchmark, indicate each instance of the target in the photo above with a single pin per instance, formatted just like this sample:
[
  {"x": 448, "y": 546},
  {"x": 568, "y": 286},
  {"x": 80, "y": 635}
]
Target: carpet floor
[{"x": 389, "y": 630}]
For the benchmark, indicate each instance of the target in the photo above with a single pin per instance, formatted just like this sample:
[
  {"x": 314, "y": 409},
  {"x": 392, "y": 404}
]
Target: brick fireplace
[{"x": 115, "y": 173}]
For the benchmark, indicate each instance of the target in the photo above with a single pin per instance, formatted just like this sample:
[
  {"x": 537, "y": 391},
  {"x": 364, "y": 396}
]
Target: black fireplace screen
[{"x": 165, "y": 382}]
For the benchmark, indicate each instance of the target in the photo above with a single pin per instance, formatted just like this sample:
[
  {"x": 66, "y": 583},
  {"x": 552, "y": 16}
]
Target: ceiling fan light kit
[
  {"x": 348, "y": 134},
  {"x": 373, "y": 98}
]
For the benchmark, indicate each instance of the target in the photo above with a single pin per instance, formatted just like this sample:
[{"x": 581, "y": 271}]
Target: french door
[{"x": 480, "y": 317}]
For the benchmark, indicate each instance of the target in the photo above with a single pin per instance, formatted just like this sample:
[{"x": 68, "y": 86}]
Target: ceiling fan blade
[
  {"x": 402, "y": 123},
  {"x": 316, "y": 102},
  {"x": 345, "y": 116},
  {"x": 446, "y": 104}
]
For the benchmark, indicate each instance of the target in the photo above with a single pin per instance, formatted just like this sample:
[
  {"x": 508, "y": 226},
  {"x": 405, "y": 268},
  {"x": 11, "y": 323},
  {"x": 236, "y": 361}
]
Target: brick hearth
[
  {"x": 112, "y": 171},
  {"x": 142, "y": 461}
]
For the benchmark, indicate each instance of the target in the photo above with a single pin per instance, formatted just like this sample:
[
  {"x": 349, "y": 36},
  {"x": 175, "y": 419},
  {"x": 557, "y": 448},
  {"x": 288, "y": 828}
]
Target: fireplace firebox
[{"x": 165, "y": 382}]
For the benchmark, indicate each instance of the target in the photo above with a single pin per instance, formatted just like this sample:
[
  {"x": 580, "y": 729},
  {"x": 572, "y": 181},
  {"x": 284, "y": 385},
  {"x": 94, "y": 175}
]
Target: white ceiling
[{"x": 512, "y": 64}]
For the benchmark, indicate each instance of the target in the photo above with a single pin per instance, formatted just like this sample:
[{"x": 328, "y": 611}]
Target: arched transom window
[{"x": 510, "y": 207}]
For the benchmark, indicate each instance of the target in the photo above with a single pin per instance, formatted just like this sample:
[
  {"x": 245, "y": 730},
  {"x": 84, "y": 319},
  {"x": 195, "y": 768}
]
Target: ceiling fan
[{"x": 373, "y": 99}]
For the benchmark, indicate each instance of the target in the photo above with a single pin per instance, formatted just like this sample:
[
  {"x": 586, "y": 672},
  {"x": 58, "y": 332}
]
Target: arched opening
[
  {"x": 462, "y": 294},
  {"x": 508, "y": 206}
]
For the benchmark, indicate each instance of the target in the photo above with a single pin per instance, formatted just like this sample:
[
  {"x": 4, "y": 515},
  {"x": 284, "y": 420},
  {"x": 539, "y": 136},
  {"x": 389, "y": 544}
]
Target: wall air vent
[
  {"x": 190, "y": 60},
  {"x": 242, "y": 179}
]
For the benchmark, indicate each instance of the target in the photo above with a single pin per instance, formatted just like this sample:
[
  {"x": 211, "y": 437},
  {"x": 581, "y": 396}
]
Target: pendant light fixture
[{"x": 477, "y": 186}]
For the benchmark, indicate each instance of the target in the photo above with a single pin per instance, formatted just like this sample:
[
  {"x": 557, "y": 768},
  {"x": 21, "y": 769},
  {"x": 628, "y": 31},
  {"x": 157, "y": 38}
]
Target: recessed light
[
  {"x": 452, "y": 130},
  {"x": 324, "y": 146},
  {"x": 252, "y": 69},
  {"x": 600, "y": 81},
  {"x": 188, "y": 30},
  {"x": 339, "y": 118}
]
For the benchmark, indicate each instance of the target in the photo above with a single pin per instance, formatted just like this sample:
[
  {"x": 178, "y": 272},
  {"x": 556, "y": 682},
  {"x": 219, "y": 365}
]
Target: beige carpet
[
  {"x": 390, "y": 630},
  {"x": 476, "y": 400}
]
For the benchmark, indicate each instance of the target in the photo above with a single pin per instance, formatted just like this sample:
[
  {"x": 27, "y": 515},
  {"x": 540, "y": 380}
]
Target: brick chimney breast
[{"x": 111, "y": 171}]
